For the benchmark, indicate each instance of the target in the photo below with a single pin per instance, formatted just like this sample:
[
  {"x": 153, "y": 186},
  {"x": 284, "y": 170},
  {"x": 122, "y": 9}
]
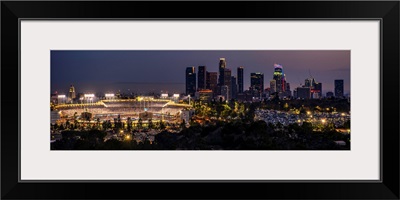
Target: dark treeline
[{"x": 236, "y": 135}]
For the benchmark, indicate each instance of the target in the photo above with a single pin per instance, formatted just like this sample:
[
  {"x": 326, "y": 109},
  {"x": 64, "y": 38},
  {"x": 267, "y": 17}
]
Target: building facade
[
  {"x": 339, "y": 88},
  {"x": 227, "y": 80},
  {"x": 257, "y": 82},
  {"x": 234, "y": 87},
  {"x": 225, "y": 92},
  {"x": 272, "y": 86},
  {"x": 190, "y": 81},
  {"x": 221, "y": 69},
  {"x": 303, "y": 92},
  {"x": 201, "y": 77},
  {"x": 279, "y": 77},
  {"x": 240, "y": 80},
  {"x": 212, "y": 82}
]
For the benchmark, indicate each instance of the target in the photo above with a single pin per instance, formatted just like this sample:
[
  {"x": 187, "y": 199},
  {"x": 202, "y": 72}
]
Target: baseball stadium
[{"x": 142, "y": 107}]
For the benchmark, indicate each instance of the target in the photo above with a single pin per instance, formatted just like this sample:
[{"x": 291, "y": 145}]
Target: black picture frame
[{"x": 386, "y": 11}]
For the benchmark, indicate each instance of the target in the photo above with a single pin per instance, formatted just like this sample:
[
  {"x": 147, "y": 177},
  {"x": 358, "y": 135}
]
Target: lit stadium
[{"x": 140, "y": 107}]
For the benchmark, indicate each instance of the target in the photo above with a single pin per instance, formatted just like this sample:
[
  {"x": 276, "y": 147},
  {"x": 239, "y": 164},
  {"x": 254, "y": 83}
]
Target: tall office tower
[
  {"x": 287, "y": 86},
  {"x": 225, "y": 92},
  {"x": 190, "y": 81},
  {"x": 288, "y": 92},
  {"x": 227, "y": 80},
  {"x": 71, "y": 94},
  {"x": 222, "y": 66},
  {"x": 201, "y": 78},
  {"x": 234, "y": 87},
  {"x": 272, "y": 86},
  {"x": 303, "y": 92},
  {"x": 318, "y": 89},
  {"x": 339, "y": 88},
  {"x": 309, "y": 82},
  {"x": 257, "y": 82},
  {"x": 212, "y": 82},
  {"x": 279, "y": 77},
  {"x": 240, "y": 79}
]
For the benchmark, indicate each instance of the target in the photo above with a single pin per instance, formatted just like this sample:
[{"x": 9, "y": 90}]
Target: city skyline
[{"x": 156, "y": 71}]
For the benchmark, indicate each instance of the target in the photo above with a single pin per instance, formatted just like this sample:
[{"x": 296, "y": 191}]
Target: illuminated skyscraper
[
  {"x": 339, "y": 88},
  {"x": 201, "y": 78},
  {"x": 212, "y": 82},
  {"x": 257, "y": 82},
  {"x": 222, "y": 66},
  {"x": 240, "y": 79},
  {"x": 279, "y": 77},
  {"x": 318, "y": 89},
  {"x": 190, "y": 81}
]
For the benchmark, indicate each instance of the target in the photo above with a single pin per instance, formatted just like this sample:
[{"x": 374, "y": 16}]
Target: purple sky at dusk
[{"x": 156, "y": 71}]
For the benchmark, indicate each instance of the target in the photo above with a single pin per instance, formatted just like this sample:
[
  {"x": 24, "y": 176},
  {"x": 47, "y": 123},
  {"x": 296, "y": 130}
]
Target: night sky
[{"x": 164, "y": 70}]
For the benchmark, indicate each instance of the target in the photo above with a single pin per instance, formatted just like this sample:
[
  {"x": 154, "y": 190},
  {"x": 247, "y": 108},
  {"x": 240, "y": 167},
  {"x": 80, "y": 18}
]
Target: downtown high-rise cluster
[
  {"x": 205, "y": 85},
  {"x": 221, "y": 84}
]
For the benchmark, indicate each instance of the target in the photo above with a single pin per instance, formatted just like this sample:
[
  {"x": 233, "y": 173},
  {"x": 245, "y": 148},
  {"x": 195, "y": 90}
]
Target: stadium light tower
[
  {"x": 109, "y": 96},
  {"x": 89, "y": 97},
  {"x": 176, "y": 97},
  {"x": 61, "y": 97}
]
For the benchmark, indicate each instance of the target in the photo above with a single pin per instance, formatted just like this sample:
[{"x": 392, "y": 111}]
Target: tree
[
  {"x": 67, "y": 123},
  {"x": 129, "y": 124},
  {"x": 162, "y": 125},
  {"x": 347, "y": 124},
  {"x": 140, "y": 123},
  {"x": 150, "y": 124},
  {"x": 98, "y": 123}
]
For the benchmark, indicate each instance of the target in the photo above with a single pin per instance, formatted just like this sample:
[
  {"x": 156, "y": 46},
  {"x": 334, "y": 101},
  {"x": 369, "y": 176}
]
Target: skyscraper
[
  {"x": 212, "y": 82},
  {"x": 240, "y": 79},
  {"x": 227, "y": 80},
  {"x": 288, "y": 92},
  {"x": 225, "y": 92},
  {"x": 318, "y": 89},
  {"x": 303, "y": 93},
  {"x": 309, "y": 82},
  {"x": 257, "y": 82},
  {"x": 279, "y": 77},
  {"x": 272, "y": 86},
  {"x": 222, "y": 66},
  {"x": 201, "y": 78},
  {"x": 339, "y": 88},
  {"x": 233, "y": 87},
  {"x": 190, "y": 81},
  {"x": 71, "y": 93}
]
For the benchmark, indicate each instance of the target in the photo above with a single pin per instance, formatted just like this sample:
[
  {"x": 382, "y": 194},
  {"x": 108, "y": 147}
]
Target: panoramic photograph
[{"x": 200, "y": 100}]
